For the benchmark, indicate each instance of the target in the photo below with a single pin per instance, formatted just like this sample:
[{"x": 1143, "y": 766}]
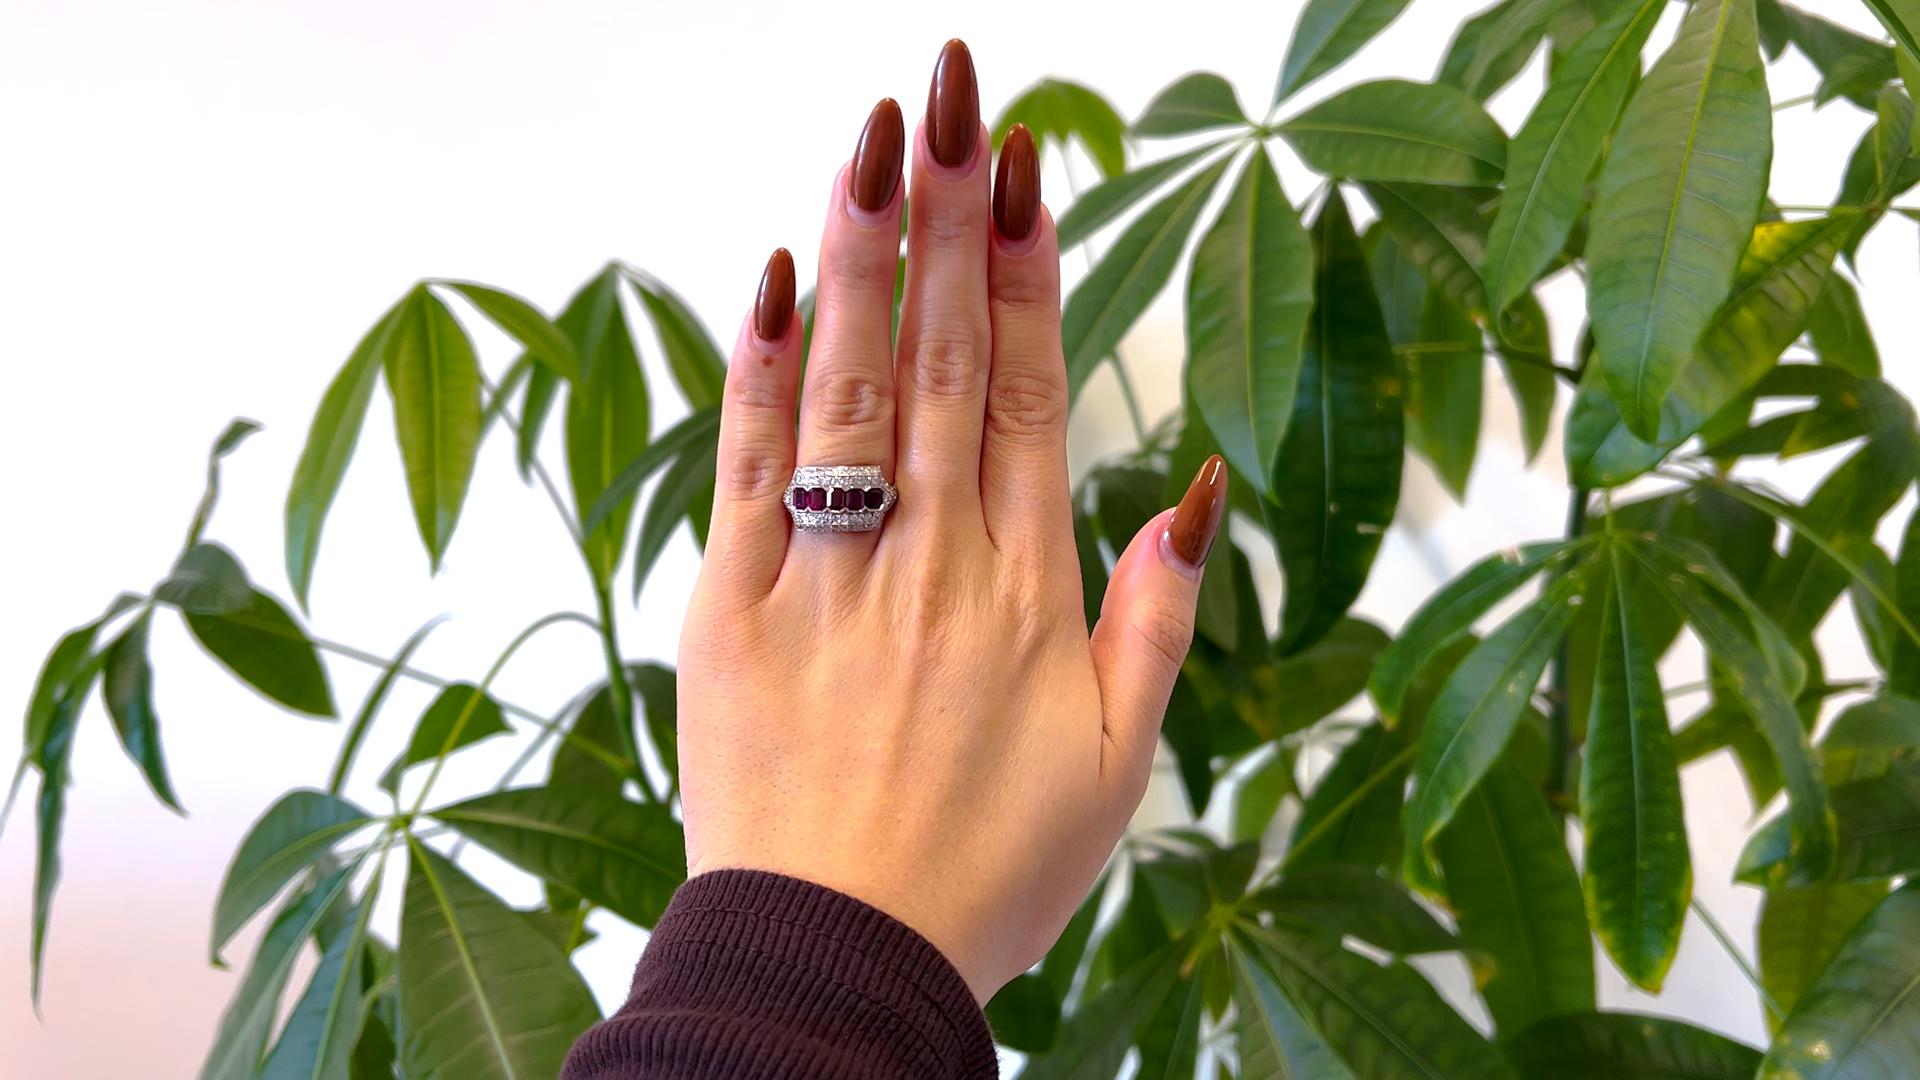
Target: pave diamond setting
[{"x": 839, "y": 498}]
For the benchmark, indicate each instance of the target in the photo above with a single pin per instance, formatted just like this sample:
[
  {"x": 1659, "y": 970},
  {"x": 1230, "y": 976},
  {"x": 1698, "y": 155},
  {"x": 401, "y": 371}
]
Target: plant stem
[
  {"x": 1788, "y": 103},
  {"x": 1342, "y": 808},
  {"x": 533, "y": 463},
  {"x": 619, "y": 691},
  {"x": 486, "y": 683},
  {"x": 1720, "y": 934},
  {"x": 13, "y": 790},
  {"x": 1560, "y": 721}
]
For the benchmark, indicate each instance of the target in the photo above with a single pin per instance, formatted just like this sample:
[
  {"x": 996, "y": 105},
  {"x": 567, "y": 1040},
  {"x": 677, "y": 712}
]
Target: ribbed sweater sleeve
[{"x": 752, "y": 975}]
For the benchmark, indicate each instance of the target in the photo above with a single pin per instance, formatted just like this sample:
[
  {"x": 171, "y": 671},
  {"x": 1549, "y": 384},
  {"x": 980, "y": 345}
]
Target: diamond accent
[{"x": 837, "y": 479}]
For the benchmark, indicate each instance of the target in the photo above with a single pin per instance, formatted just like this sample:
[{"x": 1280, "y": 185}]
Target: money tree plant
[{"x": 1505, "y": 774}]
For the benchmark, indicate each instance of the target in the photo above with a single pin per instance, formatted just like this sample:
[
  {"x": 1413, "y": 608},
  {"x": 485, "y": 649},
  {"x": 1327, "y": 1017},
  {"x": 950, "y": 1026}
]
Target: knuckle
[
  {"x": 757, "y": 467},
  {"x": 844, "y": 397},
  {"x": 1023, "y": 294},
  {"x": 946, "y": 367},
  {"x": 748, "y": 394},
  {"x": 859, "y": 274},
  {"x": 953, "y": 224},
  {"x": 1026, "y": 406}
]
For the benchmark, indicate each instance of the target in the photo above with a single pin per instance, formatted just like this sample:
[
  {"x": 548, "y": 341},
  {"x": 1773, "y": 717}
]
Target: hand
[{"x": 916, "y": 717}]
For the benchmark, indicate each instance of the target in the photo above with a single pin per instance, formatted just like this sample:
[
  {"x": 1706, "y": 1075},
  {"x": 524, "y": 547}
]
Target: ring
[{"x": 839, "y": 498}]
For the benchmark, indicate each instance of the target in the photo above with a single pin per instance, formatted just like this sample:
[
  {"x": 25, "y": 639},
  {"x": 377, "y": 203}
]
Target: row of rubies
[{"x": 847, "y": 499}]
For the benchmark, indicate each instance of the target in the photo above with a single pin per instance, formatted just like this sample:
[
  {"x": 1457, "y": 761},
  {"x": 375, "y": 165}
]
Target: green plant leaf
[
  {"x": 536, "y": 405},
  {"x": 230, "y": 439},
  {"x": 265, "y": 648},
  {"x": 1025, "y": 1014},
  {"x": 1838, "y": 327},
  {"x": 1366, "y": 831},
  {"x": 1474, "y": 716},
  {"x": 460, "y": 715},
  {"x": 1107, "y": 302},
  {"x": 1555, "y": 151},
  {"x": 1903, "y": 677},
  {"x": 607, "y": 417},
  {"x": 1384, "y": 1022},
  {"x": 370, "y": 707},
  {"x": 626, "y": 857},
  {"x": 1327, "y": 32},
  {"x": 1093, "y": 1042},
  {"x": 1061, "y": 111},
  {"x": 294, "y": 832},
  {"x": 1449, "y": 615},
  {"x": 1327, "y": 674},
  {"x": 1680, "y": 193},
  {"x": 1843, "y": 511},
  {"x": 693, "y": 357},
  {"x": 330, "y": 441},
  {"x": 1526, "y": 356},
  {"x": 524, "y": 323},
  {"x": 1354, "y": 901},
  {"x": 1337, "y": 480},
  {"x": 1248, "y": 297},
  {"x": 1441, "y": 231},
  {"x": 1493, "y": 47},
  {"x": 1880, "y": 723},
  {"x": 1392, "y": 129},
  {"x": 1273, "y": 1039},
  {"x": 1879, "y": 833},
  {"x": 318, "y": 1040},
  {"x": 127, "y": 684},
  {"x": 435, "y": 381},
  {"x": 1801, "y": 930},
  {"x": 686, "y": 481},
  {"x": 1169, "y": 1039},
  {"x": 207, "y": 580},
  {"x": 1445, "y": 384},
  {"x": 1859, "y": 1018},
  {"x": 1106, "y": 201},
  {"x": 1628, "y": 1046},
  {"x": 1258, "y": 795},
  {"x": 1199, "y": 101},
  {"x": 240, "y": 1044},
  {"x": 483, "y": 995},
  {"x": 1735, "y": 641},
  {"x": 1779, "y": 277},
  {"x": 696, "y": 428},
  {"x": 1638, "y": 872},
  {"x": 1517, "y": 900}
]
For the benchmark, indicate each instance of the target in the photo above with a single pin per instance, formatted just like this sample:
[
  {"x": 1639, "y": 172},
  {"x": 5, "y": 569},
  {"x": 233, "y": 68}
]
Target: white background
[{"x": 204, "y": 204}]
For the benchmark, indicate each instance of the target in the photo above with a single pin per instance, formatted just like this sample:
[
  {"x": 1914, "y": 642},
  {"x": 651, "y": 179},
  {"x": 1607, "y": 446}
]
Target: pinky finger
[{"x": 755, "y": 458}]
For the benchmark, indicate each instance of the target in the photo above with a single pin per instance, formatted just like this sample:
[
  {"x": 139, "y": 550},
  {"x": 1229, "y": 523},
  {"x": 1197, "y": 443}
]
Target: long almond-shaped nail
[
  {"x": 773, "y": 308},
  {"x": 876, "y": 161},
  {"x": 1196, "y": 520},
  {"x": 1016, "y": 185},
  {"x": 953, "y": 106}
]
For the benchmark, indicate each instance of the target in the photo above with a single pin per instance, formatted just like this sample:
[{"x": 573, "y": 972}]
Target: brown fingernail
[
  {"x": 876, "y": 161},
  {"x": 1195, "y": 521},
  {"x": 1016, "y": 185},
  {"x": 773, "y": 308},
  {"x": 953, "y": 106}
]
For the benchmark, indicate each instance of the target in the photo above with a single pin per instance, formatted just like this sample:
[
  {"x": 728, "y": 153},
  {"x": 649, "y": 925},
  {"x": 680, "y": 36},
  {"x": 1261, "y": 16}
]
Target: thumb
[{"x": 1146, "y": 623}]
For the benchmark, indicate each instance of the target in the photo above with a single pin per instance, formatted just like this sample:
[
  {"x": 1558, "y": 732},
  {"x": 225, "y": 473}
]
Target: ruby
[
  {"x": 856, "y": 499},
  {"x": 876, "y": 498},
  {"x": 799, "y": 499},
  {"x": 817, "y": 499},
  {"x": 837, "y": 499}
]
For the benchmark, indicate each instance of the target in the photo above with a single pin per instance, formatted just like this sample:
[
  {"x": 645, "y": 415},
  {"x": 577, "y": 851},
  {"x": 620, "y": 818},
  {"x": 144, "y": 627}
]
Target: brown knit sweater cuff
[{"x": 752, "y": 975}]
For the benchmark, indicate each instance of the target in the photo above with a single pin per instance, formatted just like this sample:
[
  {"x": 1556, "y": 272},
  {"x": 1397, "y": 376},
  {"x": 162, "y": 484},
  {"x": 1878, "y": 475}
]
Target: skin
[{"x": 917, "y": 717}]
